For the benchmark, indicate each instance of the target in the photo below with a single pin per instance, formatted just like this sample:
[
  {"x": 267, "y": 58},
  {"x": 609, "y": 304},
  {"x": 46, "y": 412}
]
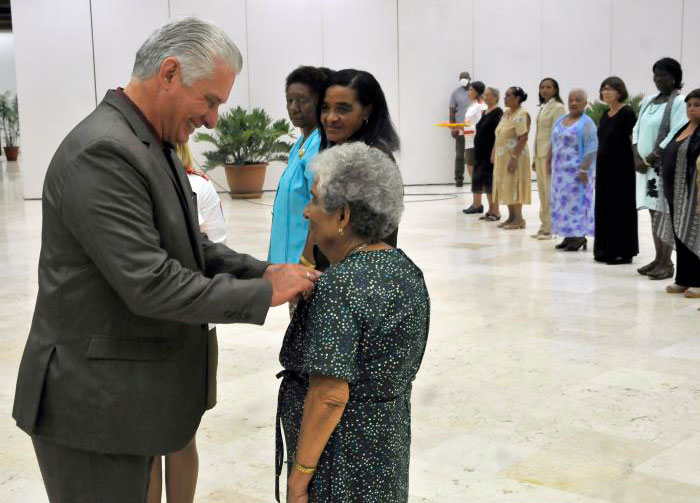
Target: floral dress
[
  {"x": 572, "y": 201},
  {"x": 366, "y": 323}
]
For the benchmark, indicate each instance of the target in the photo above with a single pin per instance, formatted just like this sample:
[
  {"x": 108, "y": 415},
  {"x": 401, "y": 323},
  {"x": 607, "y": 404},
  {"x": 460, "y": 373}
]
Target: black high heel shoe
[
  {"x": 563, "y": 244},
  {"x": 576, "y": 243}
]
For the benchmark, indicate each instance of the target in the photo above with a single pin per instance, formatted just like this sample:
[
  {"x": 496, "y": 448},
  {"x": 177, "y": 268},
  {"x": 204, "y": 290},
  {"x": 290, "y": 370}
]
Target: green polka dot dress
[{"x": 367, "y": 323}]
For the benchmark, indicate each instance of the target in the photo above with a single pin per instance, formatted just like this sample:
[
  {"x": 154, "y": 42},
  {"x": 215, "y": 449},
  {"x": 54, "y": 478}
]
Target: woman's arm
[
  {"x": 323, "y": 408},
  {"x": 513, "y": 163}
]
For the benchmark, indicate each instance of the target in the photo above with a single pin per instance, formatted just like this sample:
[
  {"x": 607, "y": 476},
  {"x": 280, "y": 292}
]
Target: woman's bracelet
[
  {"x": 308, "y": 470},
  {"x": 307, "y": 263}
]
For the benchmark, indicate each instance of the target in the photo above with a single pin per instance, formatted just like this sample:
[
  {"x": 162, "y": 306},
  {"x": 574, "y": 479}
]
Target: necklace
[
  {"x": 358, "y": 248},
  {"x": 302, "y": 150}
]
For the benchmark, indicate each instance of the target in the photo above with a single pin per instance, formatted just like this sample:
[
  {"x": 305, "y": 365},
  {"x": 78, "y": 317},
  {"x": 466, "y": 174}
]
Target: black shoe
[
  {"x": 644, "y": 270},
  {"x": 662, "y": 273},
  {"x": 473, "y": 209},
  {"x": 576, "y": 243},
  {"x": 459, "y": 184},
  {"x": 563, "y": 244}
]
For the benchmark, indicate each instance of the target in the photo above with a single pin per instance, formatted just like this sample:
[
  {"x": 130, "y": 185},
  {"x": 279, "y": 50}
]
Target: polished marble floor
[{"x": 549, "y": 378}]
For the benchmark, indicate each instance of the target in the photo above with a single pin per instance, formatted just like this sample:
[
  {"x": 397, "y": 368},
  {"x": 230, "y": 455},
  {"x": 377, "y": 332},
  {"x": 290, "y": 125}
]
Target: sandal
[
  {"x": 511, "y": 226},
  {"x": 676, "y": 288},
  {"x": 692, "y": 293},
  {"x": 490, "y": 217}
]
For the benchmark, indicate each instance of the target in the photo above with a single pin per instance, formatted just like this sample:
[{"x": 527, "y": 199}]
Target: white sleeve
[{"x": 210, "y": 213}]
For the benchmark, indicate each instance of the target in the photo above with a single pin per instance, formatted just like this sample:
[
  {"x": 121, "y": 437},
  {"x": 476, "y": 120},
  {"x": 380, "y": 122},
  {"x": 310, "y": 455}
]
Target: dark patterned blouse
[{"x": 367, "y": 323}]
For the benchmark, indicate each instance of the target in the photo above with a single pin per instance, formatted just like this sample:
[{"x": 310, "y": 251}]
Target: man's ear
[{"x": 169, "y": 71}]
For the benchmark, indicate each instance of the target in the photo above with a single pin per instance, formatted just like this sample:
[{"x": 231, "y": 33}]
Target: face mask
[{"x": 464, "y": 82}]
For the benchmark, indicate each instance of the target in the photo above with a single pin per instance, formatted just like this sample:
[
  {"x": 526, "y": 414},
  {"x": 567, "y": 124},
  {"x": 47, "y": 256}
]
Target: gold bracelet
[
  {"x": 307, "y": 263},
  {"x": 308, "y": 470}
]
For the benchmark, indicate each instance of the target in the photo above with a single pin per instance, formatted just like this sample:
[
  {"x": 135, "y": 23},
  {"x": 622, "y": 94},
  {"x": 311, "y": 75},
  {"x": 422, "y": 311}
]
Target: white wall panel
[
  {"x": 576, "y": 44},
  {"x": 435, "y": 45},
  {"x": 231, "y": 16},
  {"x": 8, "y": 77},
  {"x": 508, "y": 47},
  {"x": 118, "y": 32},
  {"x": 376, "y": 51},
  {"x": 643, "y": 32},
  {"x": 281, "y": 37},
  {"x": 55, "y": 79},
  {"x": 691, "y": 45}
]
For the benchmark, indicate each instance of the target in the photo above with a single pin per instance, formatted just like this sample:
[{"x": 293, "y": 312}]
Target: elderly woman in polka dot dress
[{"x": 355, "y": 345}]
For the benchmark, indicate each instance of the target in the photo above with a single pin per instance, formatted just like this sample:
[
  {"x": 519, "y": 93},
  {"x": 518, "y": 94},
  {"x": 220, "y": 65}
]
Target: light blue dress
[
  {"x": 644, "y": 136},
  {"x": 572, "y": 200},
  {"x": 289, "y": 227}
]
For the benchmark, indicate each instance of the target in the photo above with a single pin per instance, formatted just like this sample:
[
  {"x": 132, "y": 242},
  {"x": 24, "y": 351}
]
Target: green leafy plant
[
  {"x": 242, "y": 137},
  {"x": 9, "y": 119},
  {"x": 596, "y": 109}
]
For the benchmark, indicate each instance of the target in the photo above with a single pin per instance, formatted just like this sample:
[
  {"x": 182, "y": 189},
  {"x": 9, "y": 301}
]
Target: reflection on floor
[{"x": 548, "y": 377}]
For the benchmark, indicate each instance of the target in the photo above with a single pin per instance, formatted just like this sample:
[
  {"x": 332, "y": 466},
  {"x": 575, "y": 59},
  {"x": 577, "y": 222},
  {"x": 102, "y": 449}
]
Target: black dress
[
  {"x": 615, "y": 189},
  {"x": 485, "y": 137},
  {"x": 687, "y": 263}
]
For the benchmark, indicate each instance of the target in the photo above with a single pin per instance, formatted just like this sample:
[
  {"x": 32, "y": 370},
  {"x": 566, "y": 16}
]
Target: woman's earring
[{"x": 340, "y": 231}]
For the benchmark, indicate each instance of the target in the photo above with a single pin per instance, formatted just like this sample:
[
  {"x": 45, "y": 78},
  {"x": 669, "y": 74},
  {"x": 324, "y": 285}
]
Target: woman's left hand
[
  {"x": 512, "y": 165},
  {"x": 650, "y": 159},
  {"x": 298, "y": 487},
  {"x": 582, "y": 177}
]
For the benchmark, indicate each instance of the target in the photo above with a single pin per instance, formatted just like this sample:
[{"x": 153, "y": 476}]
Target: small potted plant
[
  {"x": 9, "y": 123},
  {"x": 245, "y": 143}
]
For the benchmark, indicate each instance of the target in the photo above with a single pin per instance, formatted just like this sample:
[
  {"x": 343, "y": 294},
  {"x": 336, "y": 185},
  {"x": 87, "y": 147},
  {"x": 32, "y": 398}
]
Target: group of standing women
[{"x": 586, "y": 177}]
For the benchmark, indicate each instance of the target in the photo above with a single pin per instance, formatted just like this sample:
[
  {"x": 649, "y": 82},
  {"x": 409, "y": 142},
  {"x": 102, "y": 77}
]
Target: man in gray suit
[{"x": 115, "y": 367}]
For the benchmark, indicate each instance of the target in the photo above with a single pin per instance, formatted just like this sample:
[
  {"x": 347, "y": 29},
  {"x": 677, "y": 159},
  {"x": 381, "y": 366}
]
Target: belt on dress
[{"x": 279, "y": 442}]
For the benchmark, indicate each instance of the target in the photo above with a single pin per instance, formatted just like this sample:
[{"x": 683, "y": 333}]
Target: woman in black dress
[
  {"x": 616, "y": 239},
  {"x": 680, "y": 175},
  {"x": 482, "y": 182}
]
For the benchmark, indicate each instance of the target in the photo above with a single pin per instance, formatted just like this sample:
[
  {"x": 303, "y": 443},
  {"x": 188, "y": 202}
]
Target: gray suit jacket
[{"x": 116, "y": 359}]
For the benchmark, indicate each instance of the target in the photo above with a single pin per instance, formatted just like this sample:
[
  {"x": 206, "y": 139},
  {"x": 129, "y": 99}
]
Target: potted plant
[
  {"x": 596, "y": 109},
  {"x": 9, "y": 122},
  {"x": 245, "y": 143}
]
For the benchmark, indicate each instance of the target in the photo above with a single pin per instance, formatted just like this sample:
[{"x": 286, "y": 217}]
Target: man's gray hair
[
  {"x": 195, "y": 43},
  {"x": 494, "y": 91},
  {"x": 365, "y": 179}
]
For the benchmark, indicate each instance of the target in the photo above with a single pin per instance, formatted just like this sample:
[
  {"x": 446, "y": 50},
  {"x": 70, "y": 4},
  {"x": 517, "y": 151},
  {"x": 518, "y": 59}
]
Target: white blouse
[{"x": 473, "y": 115}]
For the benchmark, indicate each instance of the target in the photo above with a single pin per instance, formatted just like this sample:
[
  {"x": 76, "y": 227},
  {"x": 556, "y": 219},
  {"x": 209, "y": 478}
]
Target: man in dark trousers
[
  {"x": 115, "y": 369},
  {"x": 459, "y": 102}
]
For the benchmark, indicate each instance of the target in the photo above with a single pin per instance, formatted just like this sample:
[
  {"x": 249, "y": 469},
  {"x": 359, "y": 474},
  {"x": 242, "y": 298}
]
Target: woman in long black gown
[{"x": 616, "y": 239}]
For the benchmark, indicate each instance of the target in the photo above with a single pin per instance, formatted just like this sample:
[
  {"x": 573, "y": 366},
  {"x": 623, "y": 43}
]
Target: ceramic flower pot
[
  {"x": 11, "y": 153},
  {"x": 245, "y": 181}
]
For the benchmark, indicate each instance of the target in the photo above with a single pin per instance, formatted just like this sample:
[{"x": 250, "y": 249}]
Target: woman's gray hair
[
  {"x": 365, "y": 179},
  {"x": 581, "y": 91},
  {"x": 494, "y": 91},
  {"x": 195, "y": 43}
]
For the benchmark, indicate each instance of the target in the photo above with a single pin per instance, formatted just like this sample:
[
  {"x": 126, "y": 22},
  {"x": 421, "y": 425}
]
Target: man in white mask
[{"x": 459, "y": 101}]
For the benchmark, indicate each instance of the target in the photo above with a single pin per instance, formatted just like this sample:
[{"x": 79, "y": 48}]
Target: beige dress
[
  {"x": 511, "y": 188},
  {"x": 549, "y": 113}
]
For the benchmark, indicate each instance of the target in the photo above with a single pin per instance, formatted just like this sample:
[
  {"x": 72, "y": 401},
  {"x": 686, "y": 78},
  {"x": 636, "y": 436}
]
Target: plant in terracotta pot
[
  {"x": 9, "y": 123},
  {"x": 245, "y": 143}
]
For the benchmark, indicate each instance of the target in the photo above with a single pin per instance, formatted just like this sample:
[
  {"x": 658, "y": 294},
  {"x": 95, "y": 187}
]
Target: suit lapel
[{"x": 174, "y": 171}]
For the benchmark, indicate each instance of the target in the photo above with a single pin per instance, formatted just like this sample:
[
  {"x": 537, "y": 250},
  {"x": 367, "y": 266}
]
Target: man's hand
[
  {"x": 289, "y": 281},
  {"x": 455, "y": 133},
  {"x": 582, "y": 177}
]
